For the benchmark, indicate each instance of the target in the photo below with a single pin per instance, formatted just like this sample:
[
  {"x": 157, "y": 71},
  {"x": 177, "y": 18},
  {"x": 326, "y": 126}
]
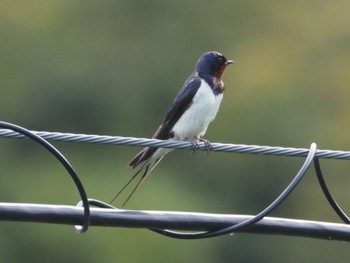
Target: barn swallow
[{"x": 188, "y": 117}]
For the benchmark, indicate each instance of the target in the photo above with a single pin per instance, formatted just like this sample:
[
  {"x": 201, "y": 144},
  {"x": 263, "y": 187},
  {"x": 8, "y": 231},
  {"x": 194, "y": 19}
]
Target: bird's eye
[{"x": 221, "y": 59}]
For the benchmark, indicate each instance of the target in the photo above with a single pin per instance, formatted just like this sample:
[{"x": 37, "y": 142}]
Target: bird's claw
[
  {"x": 195, "y": 146},
  {"x": 207, "y": 145}
]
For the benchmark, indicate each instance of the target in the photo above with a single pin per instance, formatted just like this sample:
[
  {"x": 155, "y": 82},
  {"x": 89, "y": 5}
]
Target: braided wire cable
[
  {"x": 311, "y": 155},
  {"x": 219, "y": 147}
]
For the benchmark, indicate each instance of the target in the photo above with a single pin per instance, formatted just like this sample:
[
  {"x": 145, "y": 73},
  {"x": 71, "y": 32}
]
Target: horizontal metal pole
[{"x": 71, "y": 215}]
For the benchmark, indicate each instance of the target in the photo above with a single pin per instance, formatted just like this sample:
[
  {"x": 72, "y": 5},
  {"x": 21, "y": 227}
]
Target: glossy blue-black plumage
[
  {"x": 180, "y": 104},
  {"x": 202, "y": 90},
  {"x": 209, "y": 67}
]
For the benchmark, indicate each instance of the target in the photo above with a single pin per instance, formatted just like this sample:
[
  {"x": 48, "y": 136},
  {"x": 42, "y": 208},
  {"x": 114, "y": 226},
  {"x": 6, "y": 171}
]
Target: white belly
[{"x": 194, "y": 122}]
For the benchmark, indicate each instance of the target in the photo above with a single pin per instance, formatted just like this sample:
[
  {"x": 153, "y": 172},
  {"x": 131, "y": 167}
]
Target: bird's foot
[
  {"x": 195, "y": 144},
  {"x": 207, "y": 144}
]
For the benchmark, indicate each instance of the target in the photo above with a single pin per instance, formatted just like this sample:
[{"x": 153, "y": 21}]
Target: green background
[{"x": 114, "y": 67}]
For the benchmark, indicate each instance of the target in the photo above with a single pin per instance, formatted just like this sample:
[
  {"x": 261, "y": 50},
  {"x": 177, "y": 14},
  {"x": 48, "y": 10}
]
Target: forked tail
[{"x": 146, "y": 169}]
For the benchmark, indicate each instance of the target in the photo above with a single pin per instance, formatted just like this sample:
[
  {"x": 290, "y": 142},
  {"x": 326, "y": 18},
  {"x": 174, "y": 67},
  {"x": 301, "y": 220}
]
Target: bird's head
[{"x": 212, "y": 63}]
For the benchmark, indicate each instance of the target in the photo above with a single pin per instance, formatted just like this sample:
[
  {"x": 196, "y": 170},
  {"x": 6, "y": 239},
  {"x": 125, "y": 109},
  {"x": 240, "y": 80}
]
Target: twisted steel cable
[
  {"x": 16, "y": 214},
  {"x": 219, "y": 147}
]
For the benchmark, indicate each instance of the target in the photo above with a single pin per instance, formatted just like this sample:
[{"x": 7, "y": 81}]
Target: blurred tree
[{"x": 114, "y": 67}]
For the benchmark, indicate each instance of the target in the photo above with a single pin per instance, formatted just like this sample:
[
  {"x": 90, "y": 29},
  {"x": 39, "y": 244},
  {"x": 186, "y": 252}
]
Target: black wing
[{"x": 181, "y": 102}]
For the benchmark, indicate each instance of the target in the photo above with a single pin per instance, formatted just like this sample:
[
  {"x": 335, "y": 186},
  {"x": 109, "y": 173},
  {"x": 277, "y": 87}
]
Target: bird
[{"x": 189, "y": 115}]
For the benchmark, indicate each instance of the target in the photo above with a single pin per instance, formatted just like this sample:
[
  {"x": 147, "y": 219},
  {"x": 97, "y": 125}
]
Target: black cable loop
[
  {"x": 328, "y": 194},
  {"x": 246, "y": 223},
  {"x": 85, "y": 202},
  {"x": 64, "y": 162},
  {"x": 254, "y": 219}
]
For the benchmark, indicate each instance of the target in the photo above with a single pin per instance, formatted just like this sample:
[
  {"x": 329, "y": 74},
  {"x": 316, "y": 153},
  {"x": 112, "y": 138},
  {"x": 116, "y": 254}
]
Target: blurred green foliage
[{"x": 114, "y": 67}]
